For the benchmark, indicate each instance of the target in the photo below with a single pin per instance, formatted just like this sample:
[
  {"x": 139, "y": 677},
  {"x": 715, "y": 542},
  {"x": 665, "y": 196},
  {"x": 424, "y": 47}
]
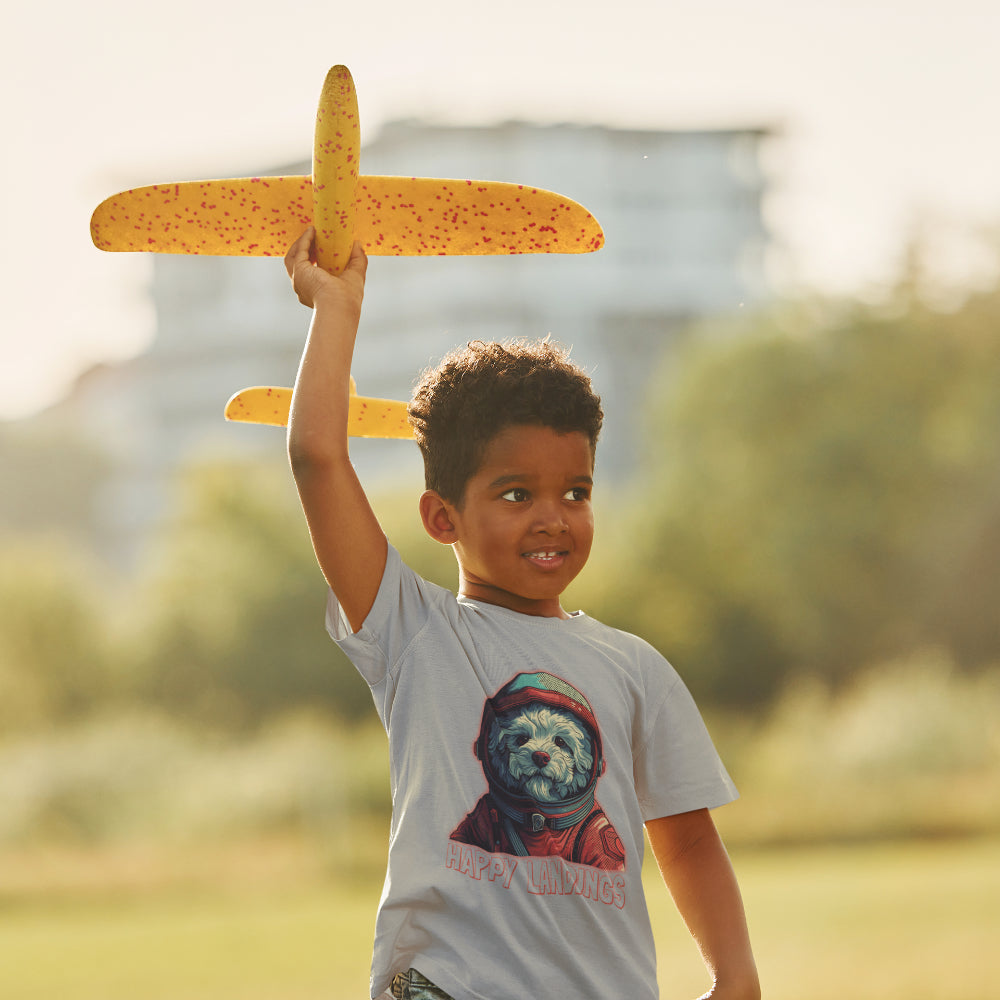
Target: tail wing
[{"x": 367, "y": 417}]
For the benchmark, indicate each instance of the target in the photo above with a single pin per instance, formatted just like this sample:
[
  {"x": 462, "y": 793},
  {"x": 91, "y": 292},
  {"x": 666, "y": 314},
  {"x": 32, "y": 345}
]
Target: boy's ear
[{"x": 436, "y": 514}]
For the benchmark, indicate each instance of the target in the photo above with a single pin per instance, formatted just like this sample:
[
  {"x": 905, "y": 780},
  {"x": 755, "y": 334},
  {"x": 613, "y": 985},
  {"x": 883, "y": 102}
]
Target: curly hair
[{"x": 481, "y": 389}]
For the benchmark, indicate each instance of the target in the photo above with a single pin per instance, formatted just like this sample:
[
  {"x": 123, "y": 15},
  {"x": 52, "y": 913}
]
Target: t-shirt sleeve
[
  {"x": 677, "y": 768},
  {"x": 400, "y": 611}
]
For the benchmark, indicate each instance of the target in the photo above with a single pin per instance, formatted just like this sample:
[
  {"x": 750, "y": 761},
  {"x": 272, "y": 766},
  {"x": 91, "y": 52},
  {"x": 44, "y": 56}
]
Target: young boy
[{"x": 528, "y": 747}]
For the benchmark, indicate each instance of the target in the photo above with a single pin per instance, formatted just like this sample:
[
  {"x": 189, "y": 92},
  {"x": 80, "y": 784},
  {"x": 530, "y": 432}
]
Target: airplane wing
[
  {"x": 420, "y": 216},
  {"x": 254, "y": 216},
  {"x": 430, "y": 216},
  {"x": 367, "y": 417}
]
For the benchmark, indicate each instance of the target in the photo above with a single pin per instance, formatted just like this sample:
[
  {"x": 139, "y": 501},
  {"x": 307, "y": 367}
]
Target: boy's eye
[
  {"x": 578, "y": 493},
  {"x": 516, "y": 495}
]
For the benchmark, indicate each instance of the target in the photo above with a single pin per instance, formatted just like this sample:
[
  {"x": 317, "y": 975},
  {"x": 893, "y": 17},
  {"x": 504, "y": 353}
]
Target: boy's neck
[{"x": 486, "y": 593}]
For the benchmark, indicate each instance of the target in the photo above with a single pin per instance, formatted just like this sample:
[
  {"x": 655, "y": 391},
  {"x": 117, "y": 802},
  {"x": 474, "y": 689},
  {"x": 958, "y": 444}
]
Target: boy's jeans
[{"x": 410, "y": 985}]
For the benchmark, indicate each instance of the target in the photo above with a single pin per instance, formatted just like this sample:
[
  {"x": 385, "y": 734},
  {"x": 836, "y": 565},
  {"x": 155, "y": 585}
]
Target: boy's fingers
[
  {"x": 358, "y": 261},
  {"x": 299, "y": 250}
]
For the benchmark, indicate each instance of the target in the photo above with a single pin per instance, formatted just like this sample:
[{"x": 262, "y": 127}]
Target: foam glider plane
[{"x": 261, "y": 216}]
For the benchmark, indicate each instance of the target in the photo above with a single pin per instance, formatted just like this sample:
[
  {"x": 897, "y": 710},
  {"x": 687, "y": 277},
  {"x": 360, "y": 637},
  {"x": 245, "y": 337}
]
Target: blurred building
[{"x": 681, "y": 211}]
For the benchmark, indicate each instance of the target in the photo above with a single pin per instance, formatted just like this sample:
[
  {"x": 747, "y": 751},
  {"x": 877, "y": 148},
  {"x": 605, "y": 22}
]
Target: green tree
[
  {"x": 822, "y": 492},
  {"x": 56, "y": 663},
  {"x": 235, "y": 634}
]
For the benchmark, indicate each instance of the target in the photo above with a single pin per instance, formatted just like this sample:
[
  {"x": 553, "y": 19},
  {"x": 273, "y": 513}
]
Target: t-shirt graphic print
[{"x": 540, "y": 749}]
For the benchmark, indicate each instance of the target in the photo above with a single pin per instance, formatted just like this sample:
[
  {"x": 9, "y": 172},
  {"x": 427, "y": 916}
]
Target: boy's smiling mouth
[{"x": 546, "y": 557}]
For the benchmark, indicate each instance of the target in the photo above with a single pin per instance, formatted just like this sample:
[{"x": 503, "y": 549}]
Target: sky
[{"x": 884, "y": 113}]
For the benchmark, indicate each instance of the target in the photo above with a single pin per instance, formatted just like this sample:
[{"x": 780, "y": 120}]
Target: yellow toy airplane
[{"x": 261, "y": 216}]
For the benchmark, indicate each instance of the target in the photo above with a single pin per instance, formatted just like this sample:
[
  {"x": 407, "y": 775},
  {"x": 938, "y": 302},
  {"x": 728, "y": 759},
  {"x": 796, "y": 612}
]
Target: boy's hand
[
  {"x": 313, "y": 285},
  {"x": 748, "y": 991}
]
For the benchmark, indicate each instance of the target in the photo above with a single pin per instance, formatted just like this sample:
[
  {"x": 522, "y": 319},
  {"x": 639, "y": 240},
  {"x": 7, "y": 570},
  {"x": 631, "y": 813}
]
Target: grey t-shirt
[{"x": 525, "y": 755}]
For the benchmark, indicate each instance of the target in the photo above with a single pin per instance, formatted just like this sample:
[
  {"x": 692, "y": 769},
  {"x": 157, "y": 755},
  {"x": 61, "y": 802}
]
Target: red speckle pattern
[
  {"x": 431, "y": 216},
  {"x": 261, "y": 405},
  {"x": 335, "y": 169},
  {"x": 367, "y": 417},
  {"x": 419, "y": 216},
  {"x": 253, "y": 217},
  {"x": 261, "y": 216}
]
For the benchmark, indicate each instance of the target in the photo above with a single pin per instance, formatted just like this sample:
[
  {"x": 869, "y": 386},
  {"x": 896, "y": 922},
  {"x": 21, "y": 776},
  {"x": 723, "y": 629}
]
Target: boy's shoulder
[{"x": 629, "y": 643}]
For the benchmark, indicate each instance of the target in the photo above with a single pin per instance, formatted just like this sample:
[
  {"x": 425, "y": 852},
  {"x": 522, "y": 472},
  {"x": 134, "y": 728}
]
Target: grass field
[{"x": 270, "y": 921}]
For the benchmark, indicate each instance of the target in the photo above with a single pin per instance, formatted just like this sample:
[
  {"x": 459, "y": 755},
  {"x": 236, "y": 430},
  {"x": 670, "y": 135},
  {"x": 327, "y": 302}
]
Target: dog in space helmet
[{"x": 540, "y": 749}]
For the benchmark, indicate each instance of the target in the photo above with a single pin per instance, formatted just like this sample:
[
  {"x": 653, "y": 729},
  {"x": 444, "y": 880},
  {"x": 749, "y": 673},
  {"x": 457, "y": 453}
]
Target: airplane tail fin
[{"x": 368, "y": 417}]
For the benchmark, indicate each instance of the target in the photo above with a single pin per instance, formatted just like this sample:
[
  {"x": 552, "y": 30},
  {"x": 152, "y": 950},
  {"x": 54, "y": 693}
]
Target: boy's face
[{"x": 525, "y": 524}]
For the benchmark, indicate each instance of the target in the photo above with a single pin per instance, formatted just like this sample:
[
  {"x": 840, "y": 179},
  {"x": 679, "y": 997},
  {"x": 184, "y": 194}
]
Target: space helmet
[{"x": 546, "y": 689}]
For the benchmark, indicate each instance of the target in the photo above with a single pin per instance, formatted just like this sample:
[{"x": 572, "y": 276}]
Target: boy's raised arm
[{"x": 349, "y": 543}]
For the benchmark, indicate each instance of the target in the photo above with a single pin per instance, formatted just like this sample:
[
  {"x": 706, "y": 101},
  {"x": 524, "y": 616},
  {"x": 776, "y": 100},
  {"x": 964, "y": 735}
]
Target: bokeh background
[{"x": 193, "y": 787}]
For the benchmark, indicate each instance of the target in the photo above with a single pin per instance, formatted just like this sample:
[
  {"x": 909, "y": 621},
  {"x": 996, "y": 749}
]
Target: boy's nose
[{"x": 551, "y": 521}]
